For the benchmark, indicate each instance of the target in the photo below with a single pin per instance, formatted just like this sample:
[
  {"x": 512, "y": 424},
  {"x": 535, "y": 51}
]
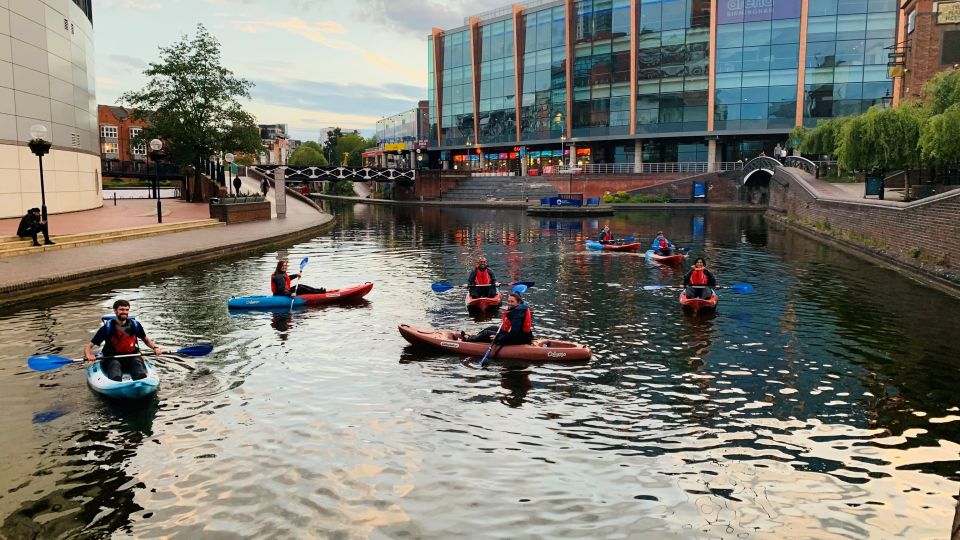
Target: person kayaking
[
  {"x": 280, "y": 283},
  {"x": 661, "y": 245},
  {"x": 119, "y": 336},
  {"x": 481, "y": 281},
  {"x": 606, "y": 236},
  {"x": 699, "y": 280},
  {"x": 516, "y": 328}
]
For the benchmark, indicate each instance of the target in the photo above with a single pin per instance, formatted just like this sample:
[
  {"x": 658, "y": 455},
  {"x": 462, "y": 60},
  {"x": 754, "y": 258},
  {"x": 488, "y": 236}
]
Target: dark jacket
[
  {"x": 27, "y": 223},
  {"x": 280, "y": 283},
  {"x": 517, "y": 335}
]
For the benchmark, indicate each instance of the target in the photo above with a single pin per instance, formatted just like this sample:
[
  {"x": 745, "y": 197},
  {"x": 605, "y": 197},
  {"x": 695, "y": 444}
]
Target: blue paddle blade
[
  {"x": 441, "y": 287},
  {"x": 525, "y": 283},
  {"x": 202, "y": 349},
  {"x": 47, "y": 416},
  {"x": 630, "y": 239},
  {"x": 741, "y": 287},
  {"x": 655, "y": 287},
  {"x": 46, "y": 362},
  {"x": 519, "y": 288},
  {"x": 594, "y": 245},
  {"x": 303, "y": 262}
]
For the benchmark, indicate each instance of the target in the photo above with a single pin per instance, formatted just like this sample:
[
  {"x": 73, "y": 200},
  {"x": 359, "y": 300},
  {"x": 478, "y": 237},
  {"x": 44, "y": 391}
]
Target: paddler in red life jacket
[
  {"x": 661, "y": 245},
  {"x": 482, "y": 282},
  {"x": 699, "y": 280},
  {"x": 119, "y": 336},
  {"x": 606, "y": 236},
  {"x": 515, "y": 329},
  {"x": 280, "y": 283}
]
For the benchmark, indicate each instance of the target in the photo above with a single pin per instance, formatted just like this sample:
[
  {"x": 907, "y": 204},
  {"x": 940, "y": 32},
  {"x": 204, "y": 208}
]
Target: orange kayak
[
  {"x": 482, "y": 303},
  {"x": 541, "y": 350},
  {"x": 698, "y": 304}
]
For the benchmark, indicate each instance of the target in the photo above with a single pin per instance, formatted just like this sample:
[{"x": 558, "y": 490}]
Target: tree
[
  {"x": 943, "y": 91},
  {"x": 882, "y": 137},
  {"x": 797, "y": 136},
  {"x": 938, "y": 141},
  {"x": 307, "y": 156},
  {"x": 191, "y": 102},
  {"x": 330, "y": 145}
]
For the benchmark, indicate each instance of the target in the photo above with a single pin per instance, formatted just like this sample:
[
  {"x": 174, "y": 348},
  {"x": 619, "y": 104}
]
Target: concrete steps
[
  {"x": 12, "y": 246},
  {"x": 500, "y": 188}
]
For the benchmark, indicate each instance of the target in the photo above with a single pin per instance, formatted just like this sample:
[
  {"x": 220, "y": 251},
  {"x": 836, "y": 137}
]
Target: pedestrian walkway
[{"x": 53, "y": 272}]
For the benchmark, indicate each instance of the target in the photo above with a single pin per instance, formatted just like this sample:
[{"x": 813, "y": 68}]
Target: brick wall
[
  {"x": 722, "y": 187},
  {"x": 925, "y": 46},
  {"x": 105, "y": 116},
  {"x": 923, "y": 236}
]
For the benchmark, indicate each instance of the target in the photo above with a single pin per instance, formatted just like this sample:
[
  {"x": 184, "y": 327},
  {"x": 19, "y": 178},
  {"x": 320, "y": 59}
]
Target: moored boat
[
  {"x": 266, "y": 302},
  {"x": 125, "y": 389},
  {"x": 698, "y": 304},
  {"x": 483, "y": 303},
  {"x": 541, "y": 350}
]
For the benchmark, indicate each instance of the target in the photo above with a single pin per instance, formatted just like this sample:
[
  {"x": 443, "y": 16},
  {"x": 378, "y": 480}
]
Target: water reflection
[{"x": 807, "y": 406}]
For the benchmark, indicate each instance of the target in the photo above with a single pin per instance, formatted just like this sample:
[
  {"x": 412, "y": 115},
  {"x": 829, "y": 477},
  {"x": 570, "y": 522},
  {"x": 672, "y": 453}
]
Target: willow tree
[
  {"x": 191, "y": 102},
  {"x": 823, "y": 140},
  {"x": 938, "y": 139}
]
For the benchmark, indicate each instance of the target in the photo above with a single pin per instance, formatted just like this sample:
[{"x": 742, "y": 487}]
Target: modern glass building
[
  {"x": 47, "y": 78},
  {"x": 631, "y": 81}
]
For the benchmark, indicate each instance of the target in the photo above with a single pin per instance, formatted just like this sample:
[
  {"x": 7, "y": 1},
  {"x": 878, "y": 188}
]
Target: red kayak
[
  {"x": 666, "y": 259},
  {"x": 632, "y": 247},
  {"x": 698, "y": 304},
  {"x": 270, "y": 302},
  {"x": 541, "y": 350},
  {"x": 483, "y": 304},
  {"x": 338, "y": 295}
]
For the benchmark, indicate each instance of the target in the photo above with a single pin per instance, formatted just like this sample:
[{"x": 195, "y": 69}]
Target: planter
[{"x": 239, "y": 212}]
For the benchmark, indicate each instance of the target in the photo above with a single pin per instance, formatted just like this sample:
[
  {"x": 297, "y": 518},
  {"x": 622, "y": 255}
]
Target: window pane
[{"x": 756, "y": 33}]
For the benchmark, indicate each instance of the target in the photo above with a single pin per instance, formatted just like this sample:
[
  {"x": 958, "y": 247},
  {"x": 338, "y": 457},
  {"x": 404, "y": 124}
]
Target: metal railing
[
  {"x": 653, "y": 168},
  {"x": 506, "y": 10}
]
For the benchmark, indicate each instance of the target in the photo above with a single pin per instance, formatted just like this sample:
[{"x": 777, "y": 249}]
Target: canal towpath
[{"x": 52, "y": 272}]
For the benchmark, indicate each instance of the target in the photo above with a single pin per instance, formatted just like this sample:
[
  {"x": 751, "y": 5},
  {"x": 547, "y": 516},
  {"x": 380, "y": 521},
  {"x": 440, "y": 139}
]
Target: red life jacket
[
  {"x": 119, "y": 340},
  {"x": 482, "y": 277},
  {"x": 527, "y": 322},
  {"x": 273, "y": 282},
  {"x": 698, "y": 277},
  {"x": 664, "y": 244},
  {"x": 606, "y": 236}
]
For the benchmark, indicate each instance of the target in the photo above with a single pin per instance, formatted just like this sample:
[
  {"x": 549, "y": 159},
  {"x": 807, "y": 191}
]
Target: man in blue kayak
[
  {"x": 119, "y": 337},
  {"x": 662, "y": 246},
  {"x": 481, "y": 281}
]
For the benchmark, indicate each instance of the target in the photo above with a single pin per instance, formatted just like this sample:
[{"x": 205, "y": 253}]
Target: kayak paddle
[
  {"x": 444, "y": 287},
  {"x": 293, "y": 297},
  {"x": 47, "y": 362},
  {"x": 738, "y": 287},
  {"x": 483, "y": 361}
]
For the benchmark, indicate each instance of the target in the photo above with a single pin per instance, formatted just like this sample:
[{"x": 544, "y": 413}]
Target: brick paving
[{"x": 47, "y": 273}]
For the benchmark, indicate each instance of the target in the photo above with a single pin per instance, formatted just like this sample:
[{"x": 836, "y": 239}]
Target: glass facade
[
  {"x": 673, "y": 65},
  {"x": 497, "y": 111},
  {"x": 431, "y": 96},
  {"x": 759, "y": 58},
  {"x": 846, "y": 60},
  {"x": 601, "y": 68},
  {"x": 456, "y": 115},
  {"x": 544, "y": 99},
  {"x": 757, "y": 67}
]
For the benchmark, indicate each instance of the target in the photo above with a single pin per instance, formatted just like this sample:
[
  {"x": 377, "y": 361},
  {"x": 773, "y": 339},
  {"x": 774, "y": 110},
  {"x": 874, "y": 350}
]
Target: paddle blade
[
  {"x": 630, "y": 239},
  {"x": 46, "y": 362},
  {"x": 741, "y": 287},
  {"x": 483, "y": 361},
  {"x": 655, "y": 287},
  {"x": 520, "y": 289},
  {"x": 303, "y": 262},
  {"x": 441, "y": 287},
  {"x": 524, "y": 283},
  {"x": 202, "y": 349}
]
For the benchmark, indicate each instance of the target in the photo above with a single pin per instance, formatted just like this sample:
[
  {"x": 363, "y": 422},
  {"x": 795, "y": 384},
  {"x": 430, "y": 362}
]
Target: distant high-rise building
[{"x": 273, "y": 131}]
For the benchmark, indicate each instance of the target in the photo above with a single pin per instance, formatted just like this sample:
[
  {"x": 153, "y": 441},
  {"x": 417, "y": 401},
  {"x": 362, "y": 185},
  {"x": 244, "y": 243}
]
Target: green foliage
[
  {"x": 315, "y": 145},
  {"x": 245, "y": 160},
  {"x": 823, "y": 140},
  {"x": 307, "y": 156},
  {"x": 624, "y": 197},
  {"x": 940, "y": 136},
  {"x": 343, "y": 188},
  {"x": 943, "y": 91},
  {"x": 882, "y": 137},
  {"x": 191, "y": 102},
  {"x": 797, "y": 136}
]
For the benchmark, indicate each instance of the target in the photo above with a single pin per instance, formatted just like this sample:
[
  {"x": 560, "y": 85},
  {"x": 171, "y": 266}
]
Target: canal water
[{"x": 822, "y": 405}]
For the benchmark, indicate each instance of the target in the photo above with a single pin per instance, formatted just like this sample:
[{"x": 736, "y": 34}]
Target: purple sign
[{"x": 736, "y": 11}]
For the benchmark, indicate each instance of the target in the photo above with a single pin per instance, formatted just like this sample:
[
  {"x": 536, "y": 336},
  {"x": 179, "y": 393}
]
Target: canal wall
[{"x": 920, "y": 237}]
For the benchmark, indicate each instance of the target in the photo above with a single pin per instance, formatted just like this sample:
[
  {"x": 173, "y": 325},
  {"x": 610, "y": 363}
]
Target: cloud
[
  {"x": 129, "y": 4},
  {"x": 360, "y": 100},
  {"x": 317, "y": 31},
  {"x": 419, "y": 16},
  {"x": 127, "y": 60}
]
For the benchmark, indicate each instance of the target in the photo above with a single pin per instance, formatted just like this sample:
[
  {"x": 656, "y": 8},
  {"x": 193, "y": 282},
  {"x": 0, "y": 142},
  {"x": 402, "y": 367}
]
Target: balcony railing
[{"x": 652, "y": 168}]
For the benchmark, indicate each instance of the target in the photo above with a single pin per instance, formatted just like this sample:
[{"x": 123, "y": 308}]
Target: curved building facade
[{"x": 47, "y": 77}]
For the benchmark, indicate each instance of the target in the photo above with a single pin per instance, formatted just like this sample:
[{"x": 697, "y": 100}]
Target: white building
[{"x": 47, "y": 78}]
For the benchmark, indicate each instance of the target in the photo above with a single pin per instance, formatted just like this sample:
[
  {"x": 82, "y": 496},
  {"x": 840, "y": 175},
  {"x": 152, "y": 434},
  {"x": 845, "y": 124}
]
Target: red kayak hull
[
  {"x": 483, "y": 304},
  {"x": 668, "y": 259},
  {"x": 698, "y": 304},
  {"x": 337, "y": 295},
  {"x": 554, "y": 351},
  {"x": 633, "y": 248}
]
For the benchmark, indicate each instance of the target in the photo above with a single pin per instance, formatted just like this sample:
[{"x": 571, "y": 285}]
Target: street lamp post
[
  {"x": 40, "y": 146},
  {"x": 229, "y": 158},
  {"x": 563, "y": 143},
  {"x": 156, "y": 153}
]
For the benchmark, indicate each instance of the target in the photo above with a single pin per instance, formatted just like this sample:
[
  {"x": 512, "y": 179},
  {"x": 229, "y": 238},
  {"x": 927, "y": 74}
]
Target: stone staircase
[
  {"x": 11, "y": 246},
  {"x": 500, "y": 188}
]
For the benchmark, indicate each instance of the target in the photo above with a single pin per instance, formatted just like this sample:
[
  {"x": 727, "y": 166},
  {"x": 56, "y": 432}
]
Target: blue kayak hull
[
  {"x": 266, "y": 302},
  {"x": 125, "y": 389}
]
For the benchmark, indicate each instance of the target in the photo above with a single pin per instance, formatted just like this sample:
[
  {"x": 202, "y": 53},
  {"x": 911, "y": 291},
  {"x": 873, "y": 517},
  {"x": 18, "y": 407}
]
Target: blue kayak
[
  {"x": 125, "y": 389},
  {"x": 355, "y": 292}
]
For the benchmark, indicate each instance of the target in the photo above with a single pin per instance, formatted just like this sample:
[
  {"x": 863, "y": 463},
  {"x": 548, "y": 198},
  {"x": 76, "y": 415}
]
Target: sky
[{"x": 313, "y": 63}]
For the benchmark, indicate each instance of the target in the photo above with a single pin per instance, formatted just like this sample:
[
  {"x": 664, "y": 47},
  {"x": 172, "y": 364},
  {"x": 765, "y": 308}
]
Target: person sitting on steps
[
  {"x": 33, "y": 224},
  {"x": 280, "y": 283}
]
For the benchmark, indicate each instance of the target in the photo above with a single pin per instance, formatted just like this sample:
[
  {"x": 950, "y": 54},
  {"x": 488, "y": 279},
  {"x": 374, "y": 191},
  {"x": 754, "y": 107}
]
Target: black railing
[{"x": 355, "y": 174}]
